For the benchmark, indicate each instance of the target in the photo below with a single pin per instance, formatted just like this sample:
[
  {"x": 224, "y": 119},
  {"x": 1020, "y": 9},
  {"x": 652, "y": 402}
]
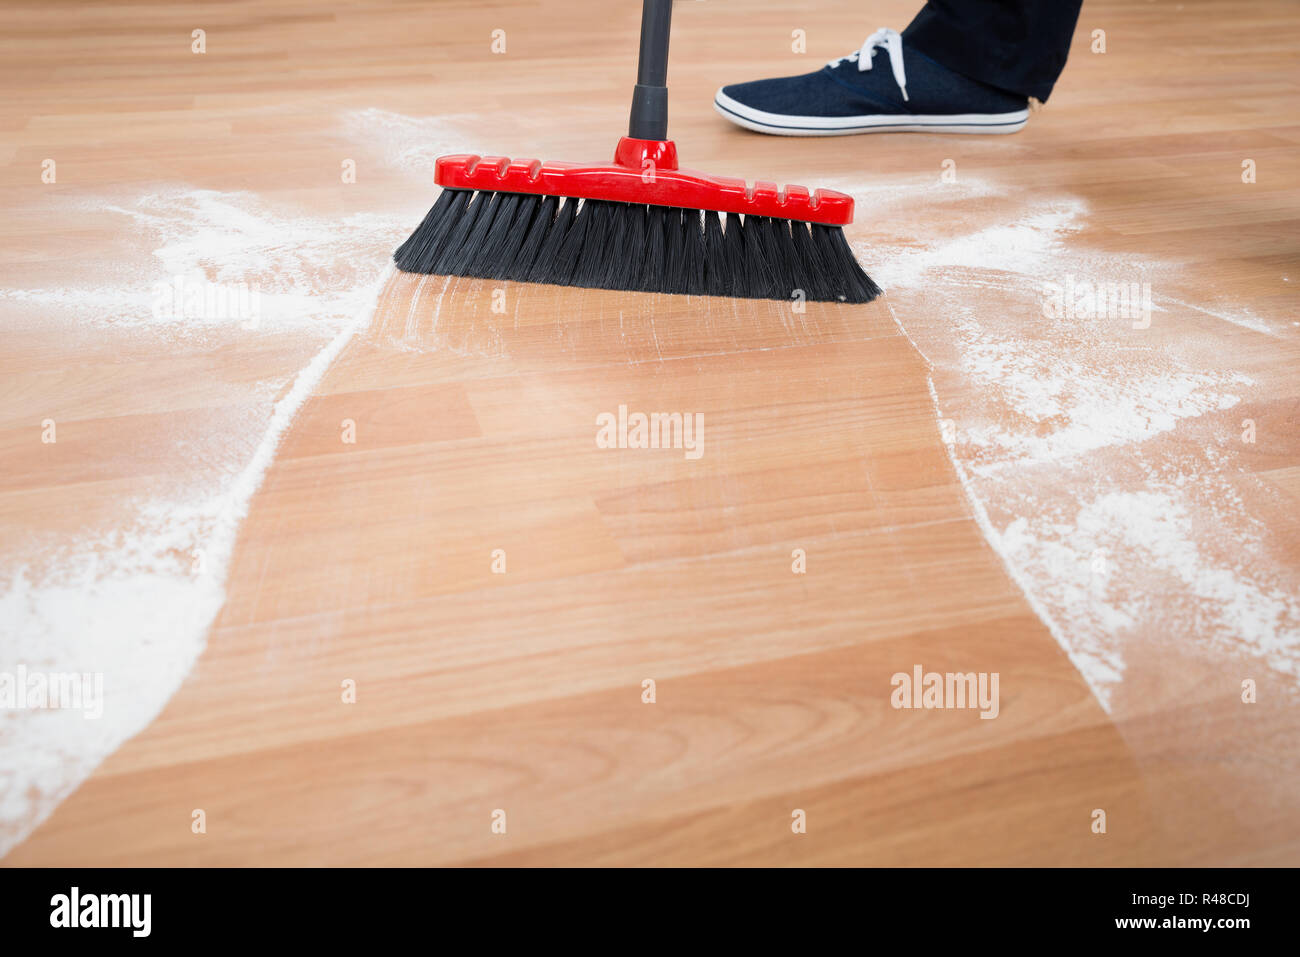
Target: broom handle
[{"x": 649, "y": 120}]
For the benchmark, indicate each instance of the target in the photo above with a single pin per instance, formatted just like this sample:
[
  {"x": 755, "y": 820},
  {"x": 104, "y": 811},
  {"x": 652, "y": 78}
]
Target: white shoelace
[{"x": 893, "y": 44}]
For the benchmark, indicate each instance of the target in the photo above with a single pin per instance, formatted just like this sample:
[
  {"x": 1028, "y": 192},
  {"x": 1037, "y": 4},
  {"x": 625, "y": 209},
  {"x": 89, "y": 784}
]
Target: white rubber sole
[{"x": 783, "y": 125}]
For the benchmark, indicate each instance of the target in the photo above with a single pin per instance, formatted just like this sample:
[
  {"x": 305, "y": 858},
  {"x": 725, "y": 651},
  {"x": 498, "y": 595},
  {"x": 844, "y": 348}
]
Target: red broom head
[
  {"x": 646, "y": 172},
  {"x": 639, "y": 223}
]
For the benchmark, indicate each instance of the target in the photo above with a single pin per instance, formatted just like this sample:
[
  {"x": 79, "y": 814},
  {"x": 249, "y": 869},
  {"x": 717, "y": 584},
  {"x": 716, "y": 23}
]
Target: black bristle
[
  {"x": 525, "y": 211},
  {"x": 847, "y": 280},
  {"x": 612, "y": 245},
  {"x": 495, "y": 236},
  {"x": 674, "y": 242},
  {"x": 744, "y": 259},
  {"x": 420, "y": 251},
  {"x": 795, "y": 277},
  {"x": 811, "y": 272},
  {"x": 479, "y": 216},
  {"x": 693, "y": 239},
  {"x": 429, "y": 230},
  {"x": 656, "y": 255},
  {"x": 717, "y": 275},
  {"x": 461, "y": 235},
  {"x": 627, "y": 244},
  {"x": 782, "y": 258},
  {"x": 760, "y": 279},
  {"x": 564, "y": 264},
  {"x": 540, "y": 227},
  {"x": 601, "y": 252},
  {"x": 543, "y": 268}
]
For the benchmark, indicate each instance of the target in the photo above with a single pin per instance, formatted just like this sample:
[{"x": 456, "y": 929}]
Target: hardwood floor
[{"x": 481, "y": 691}]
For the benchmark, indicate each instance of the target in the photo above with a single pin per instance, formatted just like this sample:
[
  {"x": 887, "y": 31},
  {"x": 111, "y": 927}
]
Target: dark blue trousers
[{"x": 1016, "y": 45}]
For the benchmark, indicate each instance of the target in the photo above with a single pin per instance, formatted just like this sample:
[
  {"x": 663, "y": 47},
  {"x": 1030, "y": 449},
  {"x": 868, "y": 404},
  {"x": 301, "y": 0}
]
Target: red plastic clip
[{"x": 644, "y": 171}]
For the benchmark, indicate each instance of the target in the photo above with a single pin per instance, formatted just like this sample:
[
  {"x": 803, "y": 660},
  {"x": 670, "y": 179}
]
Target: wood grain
[{"x": 522, "y": 691}]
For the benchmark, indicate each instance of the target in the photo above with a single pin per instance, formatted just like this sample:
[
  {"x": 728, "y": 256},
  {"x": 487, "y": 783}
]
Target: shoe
[{"x": 854, "y": 94}]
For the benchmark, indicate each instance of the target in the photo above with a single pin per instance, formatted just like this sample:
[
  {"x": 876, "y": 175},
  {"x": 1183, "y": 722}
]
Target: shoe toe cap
[
  {"x": 809, "y": 95},
  {"x": 789, "y": 95}
]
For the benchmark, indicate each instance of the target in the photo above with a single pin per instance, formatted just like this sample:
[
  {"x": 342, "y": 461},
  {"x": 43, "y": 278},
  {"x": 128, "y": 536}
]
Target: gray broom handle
[{"x": 649, "y": 119}]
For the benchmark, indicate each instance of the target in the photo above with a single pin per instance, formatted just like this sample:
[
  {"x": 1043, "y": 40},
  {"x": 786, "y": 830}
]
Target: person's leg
[
  {"x": 1015, "y": 45},
  {"x": 963, "y": 66}
]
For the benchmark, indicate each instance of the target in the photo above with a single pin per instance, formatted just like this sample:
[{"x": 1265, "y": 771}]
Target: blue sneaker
[{"x": 855, "y": 94}]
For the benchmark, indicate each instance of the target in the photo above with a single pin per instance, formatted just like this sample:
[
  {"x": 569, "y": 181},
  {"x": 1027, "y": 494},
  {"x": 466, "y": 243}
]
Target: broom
[{"x": 638, "y": 224}]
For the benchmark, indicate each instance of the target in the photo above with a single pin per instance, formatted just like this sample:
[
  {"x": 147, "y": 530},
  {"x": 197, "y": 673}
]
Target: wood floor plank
[{"x": 441, "y": 530}]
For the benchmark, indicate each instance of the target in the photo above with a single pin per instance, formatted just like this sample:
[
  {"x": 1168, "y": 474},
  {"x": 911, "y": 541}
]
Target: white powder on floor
[
  {"x": 1038, "y": 407},
  {"x": 135, "y": 601},
  {"x": 1048, "y": 416},
  {"x": 411, "y": 144},
  {"x": 236, "y": 241},
  {"x": 1058, "y": 405},
  {"x": 1122, "y": 560}
]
